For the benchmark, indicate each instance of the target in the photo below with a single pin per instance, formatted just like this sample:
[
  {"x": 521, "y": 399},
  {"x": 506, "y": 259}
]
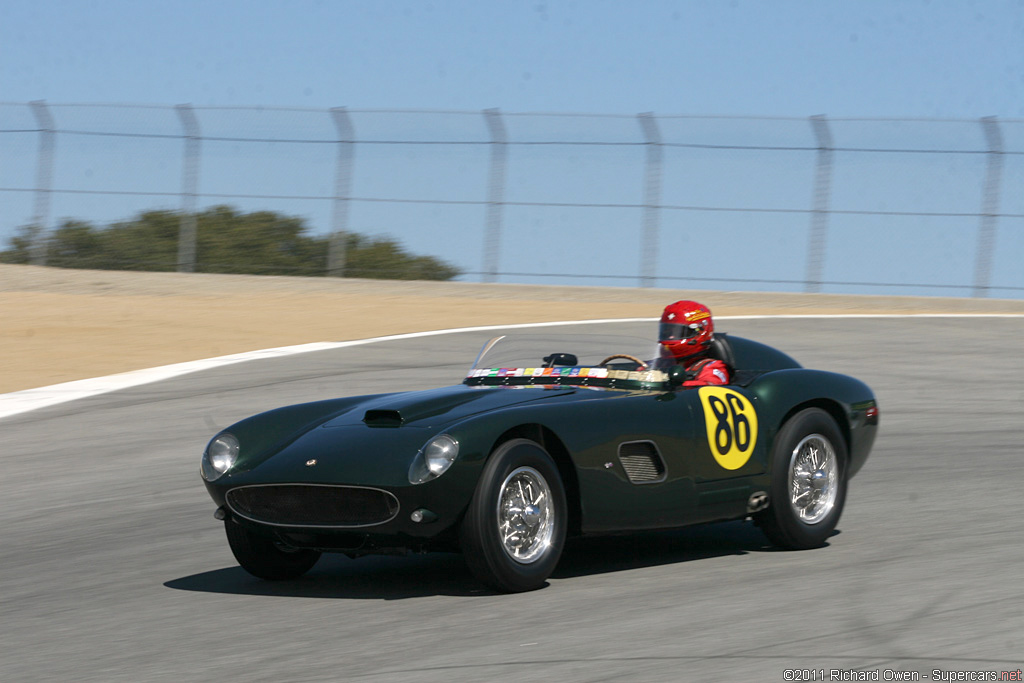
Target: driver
[{"x": 684, "y": 337}]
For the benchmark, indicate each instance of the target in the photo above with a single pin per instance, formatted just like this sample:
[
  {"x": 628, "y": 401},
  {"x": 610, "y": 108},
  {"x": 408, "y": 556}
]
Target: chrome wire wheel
[
  {"x": 813, "y": 479},
  {"x": 526, "y": 515},
  {"x": 515, "y": 525}
]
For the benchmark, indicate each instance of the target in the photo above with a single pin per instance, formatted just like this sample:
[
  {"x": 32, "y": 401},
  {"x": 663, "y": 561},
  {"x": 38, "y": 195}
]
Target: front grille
[
  {"x": 642, "y": 462},
  {"x": 313, "y": 505}
]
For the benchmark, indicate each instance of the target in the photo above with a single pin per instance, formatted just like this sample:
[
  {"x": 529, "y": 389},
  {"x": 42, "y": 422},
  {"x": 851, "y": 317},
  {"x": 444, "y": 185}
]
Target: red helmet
[{"x": 685, "y": 329}]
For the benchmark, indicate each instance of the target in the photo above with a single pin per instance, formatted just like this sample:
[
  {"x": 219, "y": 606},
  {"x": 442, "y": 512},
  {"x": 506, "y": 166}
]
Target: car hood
[{"x": 437, "y": 407}]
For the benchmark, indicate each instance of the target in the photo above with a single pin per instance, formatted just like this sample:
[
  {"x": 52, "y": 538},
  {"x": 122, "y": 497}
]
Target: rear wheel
[
  {"x": 808, "y": 486},
  {"x": 515, "y": 526},
  {"x": 265, "y": 559}
]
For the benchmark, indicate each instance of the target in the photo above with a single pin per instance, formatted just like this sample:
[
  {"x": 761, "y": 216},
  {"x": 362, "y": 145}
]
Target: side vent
[
  {"x": 642, "y": 462},
  {"x": 383, "y": 418}
]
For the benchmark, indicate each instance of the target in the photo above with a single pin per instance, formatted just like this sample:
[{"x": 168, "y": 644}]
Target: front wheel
[
  {"x": 808, "y": 486},
  {"x": 265, "y": 559},
  {"x": 515, "y": 526}
]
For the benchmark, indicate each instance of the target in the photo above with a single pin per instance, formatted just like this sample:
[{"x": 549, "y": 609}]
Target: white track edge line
[{"x": 28, "y": 400}]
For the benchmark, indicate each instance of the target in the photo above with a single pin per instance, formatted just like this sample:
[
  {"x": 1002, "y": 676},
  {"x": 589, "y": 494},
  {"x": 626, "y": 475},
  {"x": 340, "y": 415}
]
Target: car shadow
[
  {"x": 338, "y": 577},
  {"x": 432, "y": 574},
  {"x": 604, "y": 554}
]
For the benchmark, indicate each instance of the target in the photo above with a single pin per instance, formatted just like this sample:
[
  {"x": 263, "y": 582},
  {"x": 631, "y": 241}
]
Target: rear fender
[{"x": 783, "y": 393}]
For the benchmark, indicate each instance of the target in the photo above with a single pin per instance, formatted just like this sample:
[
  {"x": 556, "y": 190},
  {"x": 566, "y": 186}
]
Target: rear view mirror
[
  {"x": 677, "y": 375},
  {"x": 560, "y": 359}
]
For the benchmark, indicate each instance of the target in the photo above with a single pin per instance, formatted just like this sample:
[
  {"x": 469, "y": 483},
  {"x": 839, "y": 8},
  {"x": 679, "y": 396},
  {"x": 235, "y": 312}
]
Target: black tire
[
  {"x": 265, "y": 559},
  {"x": 490, "y": 553},
  {"x": 790, "y": 524}
]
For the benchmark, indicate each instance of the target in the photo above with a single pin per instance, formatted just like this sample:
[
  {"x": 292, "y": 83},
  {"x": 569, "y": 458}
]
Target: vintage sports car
[{"x": 547, "y": 437}]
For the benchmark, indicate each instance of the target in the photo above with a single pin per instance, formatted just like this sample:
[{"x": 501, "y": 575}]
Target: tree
[{"x": 260, "y": 243}]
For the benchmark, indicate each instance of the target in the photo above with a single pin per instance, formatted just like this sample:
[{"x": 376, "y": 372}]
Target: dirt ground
[{"x": 61, "y": 325}]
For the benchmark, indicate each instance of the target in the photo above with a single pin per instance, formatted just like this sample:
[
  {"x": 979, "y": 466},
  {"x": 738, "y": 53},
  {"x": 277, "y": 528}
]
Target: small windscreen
[{"x": 612, "y": 361}]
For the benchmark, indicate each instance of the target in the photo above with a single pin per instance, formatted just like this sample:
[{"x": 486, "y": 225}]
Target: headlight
[
  {"x": 434, "y": 459},
  {"x": 220, "y": 456}
]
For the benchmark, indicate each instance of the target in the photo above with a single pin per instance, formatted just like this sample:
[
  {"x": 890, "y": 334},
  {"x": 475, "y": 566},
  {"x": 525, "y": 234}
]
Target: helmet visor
[{"x": 676, "y": 332}]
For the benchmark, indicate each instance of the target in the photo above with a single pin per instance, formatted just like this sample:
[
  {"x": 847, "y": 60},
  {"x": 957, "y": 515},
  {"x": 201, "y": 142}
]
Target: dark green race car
[{"x": 541, "y": 441}]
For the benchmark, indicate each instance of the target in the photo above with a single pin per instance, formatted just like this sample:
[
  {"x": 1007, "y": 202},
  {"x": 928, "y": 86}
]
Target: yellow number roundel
[{"x": 731, "y": 425}]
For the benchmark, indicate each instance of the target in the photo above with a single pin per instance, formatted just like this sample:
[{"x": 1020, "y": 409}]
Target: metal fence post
[
  {"x": 822, "y": 199},
  {"x": 989, "y": 207},
  {"x": 337, "y": 250},
  {"x": 495, "y": 192},
  {"x": 652, "y": 199},
  {"x": 189, "y": 190},
  {"x": 44, "y": 184}
]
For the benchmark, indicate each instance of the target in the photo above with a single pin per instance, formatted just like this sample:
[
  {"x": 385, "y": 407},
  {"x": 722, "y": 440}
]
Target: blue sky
[
  {"x": 883, "y": 57},
  {"x": 958, "y": 60}
]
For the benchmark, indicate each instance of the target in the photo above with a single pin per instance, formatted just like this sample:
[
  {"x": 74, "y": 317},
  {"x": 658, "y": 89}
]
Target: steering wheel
[{"x": 643, "y": 365}]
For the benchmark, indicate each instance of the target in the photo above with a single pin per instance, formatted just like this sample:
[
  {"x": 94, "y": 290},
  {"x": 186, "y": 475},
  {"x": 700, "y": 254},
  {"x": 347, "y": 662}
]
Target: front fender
[{"x": 265, "y": 434}]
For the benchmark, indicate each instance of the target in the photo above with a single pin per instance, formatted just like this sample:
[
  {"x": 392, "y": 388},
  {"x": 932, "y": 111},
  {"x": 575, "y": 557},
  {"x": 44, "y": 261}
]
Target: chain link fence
[{"x": 902, "y": 206}]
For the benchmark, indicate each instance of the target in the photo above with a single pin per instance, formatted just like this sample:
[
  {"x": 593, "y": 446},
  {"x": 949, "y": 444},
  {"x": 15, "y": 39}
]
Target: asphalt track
[{"x": 113, "y": 568}]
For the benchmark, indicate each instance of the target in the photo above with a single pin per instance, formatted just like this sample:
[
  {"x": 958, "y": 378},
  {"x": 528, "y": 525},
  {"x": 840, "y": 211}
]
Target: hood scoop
[{"x": 383, "y": 418}]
